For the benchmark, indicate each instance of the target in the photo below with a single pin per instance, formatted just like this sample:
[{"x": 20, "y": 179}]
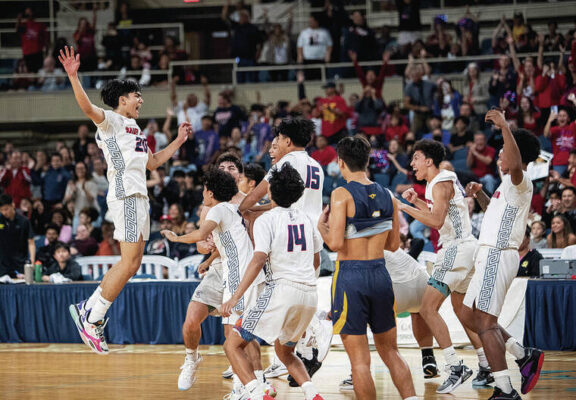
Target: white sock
[
  {"x": 515, "y": 348},
  {"x": 309, "y": 390},
  {"x": 502, "y": 379},
  {"x": 254, "y": 389},
  {"x": 237, "y": 384},
  {"x": 450, "y": 356},
  {"x": 482, "y": 360},
  {"x": 260, "y": 376},
  {"x": 191, "y": 354},
  {"x": 92, "y": 300},
  {"x": 99, "y": 310}
]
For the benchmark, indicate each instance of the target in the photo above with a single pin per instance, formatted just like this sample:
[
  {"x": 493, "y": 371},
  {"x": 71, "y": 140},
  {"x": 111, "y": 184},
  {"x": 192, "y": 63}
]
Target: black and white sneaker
[
  {"x": 430, "y": 367},
  {"x": 312, "y": 366},
  {"x": 484, "y": 377},
  {"x": 458, "y": 375},
  {"x": 346, "y": 384},
  {"x": 530, "y": 367},
  {"x": 500, "y": 395}
]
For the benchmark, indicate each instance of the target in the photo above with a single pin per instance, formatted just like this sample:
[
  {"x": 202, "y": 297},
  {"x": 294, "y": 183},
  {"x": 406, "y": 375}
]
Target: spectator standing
[
  {"x": 550, "y": 86},
  {"x": 314, "y": 46},
  {"x": 563, "y": 138},
  {"x": 333, "y": 109},
  {"x": 369, "y": 108},
  {"x": 324, "y": 154},
  {"x": 439, "y": 41},
  {"x": 553, "y": 40},
  {"x": 277, "y": 49},
  {"x": 99, "y": 178},
  {"x": 62, "y": 266},
  {"x": 191, "y": 110},
  {"x": 258, "y": 136},
  {"x": 80, "y": 145},
  {"x": 359, "y": 38},
  {"x": 112, "y": 43},
  {"x": 369, "y": 78},
  {"x": 419, "y": 98},
  {"x": 503, "y": 80},
  {"x": 528, "y": 116},
  {"x": 475, "y": 92},
  {"x": 245, "y": 44},
  {"x": 84, "y": 37},
  {"x": 447, "y": 103},
  {"x": 397, "y": 171},
  {"x": 227, "y": 116},
  {"x": 34, "y": 40},
  {"x": 15, "y": 178},
  {"x": 479, "y": 159},
  {"x": 409, "y": 26},
  {"x": 16, "y": 239},
  {"x": 50, "y": 77},
  {"x": 81, "y": 190}
]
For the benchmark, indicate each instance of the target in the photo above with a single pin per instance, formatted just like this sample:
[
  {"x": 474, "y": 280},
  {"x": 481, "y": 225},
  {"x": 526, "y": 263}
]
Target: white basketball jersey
[
  {"x": 457, "y": 224},
  {"x": 288, "y": 236},
  {"x": 313, "y": 176},
  {"x": 504, "y": 222},
  {"x": 401, "y": 266},
  {"x": 126, "y": 152},
  {"x": 233, "y": 244}
]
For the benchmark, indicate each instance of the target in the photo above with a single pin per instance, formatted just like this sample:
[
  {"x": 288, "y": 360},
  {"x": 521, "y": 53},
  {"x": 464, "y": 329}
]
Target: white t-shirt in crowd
[
  {"x": 126, "y": 152},
  {"x": 314, "y": 43},
  {"x": 288, "y": 236},
  {"x": 194, "y": 114},
  {"x": 504, "y": 222}
]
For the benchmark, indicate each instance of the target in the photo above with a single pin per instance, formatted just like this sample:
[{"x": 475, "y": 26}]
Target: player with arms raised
[{"x": 127, "y": 155}]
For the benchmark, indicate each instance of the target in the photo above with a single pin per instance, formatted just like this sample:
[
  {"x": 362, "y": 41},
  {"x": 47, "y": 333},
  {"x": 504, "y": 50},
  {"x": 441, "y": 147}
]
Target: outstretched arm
[
  {"x": 157, "y": 159},
  {"x": 201, "y": 233},
  {"x": 71, "y": 63},
  {"x": 510, "y": 149}
]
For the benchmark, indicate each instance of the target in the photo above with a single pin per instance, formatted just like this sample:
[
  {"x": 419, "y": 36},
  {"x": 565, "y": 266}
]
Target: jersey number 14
[{"x": 296, "y": 237}]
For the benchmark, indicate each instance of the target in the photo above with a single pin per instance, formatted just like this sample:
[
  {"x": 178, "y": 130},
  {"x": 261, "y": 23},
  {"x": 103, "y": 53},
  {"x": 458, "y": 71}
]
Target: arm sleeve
[
  {"x": 300, "y": 42},
  {"x": 263, "y": 241}
]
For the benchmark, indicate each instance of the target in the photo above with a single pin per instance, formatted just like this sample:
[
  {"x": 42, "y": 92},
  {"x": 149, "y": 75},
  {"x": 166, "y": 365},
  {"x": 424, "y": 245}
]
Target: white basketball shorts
[
  {"x": 495, "y": 271},
  {"x": 454, "y": 265},
  {"x": 131, "y": 217},
  {"x": 408, "y": 295}
]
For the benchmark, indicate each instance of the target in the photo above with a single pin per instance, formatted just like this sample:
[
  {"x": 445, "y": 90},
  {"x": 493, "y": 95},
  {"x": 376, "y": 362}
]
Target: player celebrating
[
  {"x": 287, "y": 238},
  {"x": 497, "y": 259},
  {"x": 446, "y": 209},
  {"x": 362, "y": 222},
  {"x": 128, "y": 157}
]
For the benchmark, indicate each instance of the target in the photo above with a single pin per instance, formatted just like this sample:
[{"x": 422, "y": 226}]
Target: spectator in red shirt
[
  {"x": 563, "y": 138},
  {"x": 324, "y": 154},
  {"x": 33, "y": 39},
  {"x": 550, "y": 86},
  {"x": 85, "y": 42},
  {"x": 396, "y": 129},
  {"x": 16, "y": 179},
  {"x": 333, "y": 109},
  {"x": 369, "y": 78},
  {"x": 479, "y": 160},
  {"x": 528, "y": 116}
]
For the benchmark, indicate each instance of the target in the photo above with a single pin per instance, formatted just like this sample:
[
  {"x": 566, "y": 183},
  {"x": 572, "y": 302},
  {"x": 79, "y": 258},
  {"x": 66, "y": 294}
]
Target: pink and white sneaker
[
  {"x": 270, "y": 390},
  {"x": 92, "y": 334}
]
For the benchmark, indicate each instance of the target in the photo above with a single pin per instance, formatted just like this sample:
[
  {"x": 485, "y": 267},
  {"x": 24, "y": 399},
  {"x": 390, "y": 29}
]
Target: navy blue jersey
[{"x": 374, "y": 210}]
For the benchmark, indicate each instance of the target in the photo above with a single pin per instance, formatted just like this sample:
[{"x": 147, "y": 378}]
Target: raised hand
[
  {"x": 184, "y": 130},
  {"x": 69, "y": 60},
  {"x": 497, "y": 118},
  {"x": 352, "y": 54}
]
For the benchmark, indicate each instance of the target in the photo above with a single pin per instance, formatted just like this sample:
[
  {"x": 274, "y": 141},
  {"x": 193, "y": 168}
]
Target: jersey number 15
[
  {"x": 312, "y": 177},
  {"x": 296, "y": 238}
]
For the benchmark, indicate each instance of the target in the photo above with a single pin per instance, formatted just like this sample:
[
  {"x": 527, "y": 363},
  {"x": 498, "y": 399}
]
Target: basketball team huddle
[{"x": 263, "y": 233}]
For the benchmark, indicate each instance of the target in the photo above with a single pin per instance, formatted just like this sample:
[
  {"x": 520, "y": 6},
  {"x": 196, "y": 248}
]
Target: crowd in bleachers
[{"x": 62, "y": 194}]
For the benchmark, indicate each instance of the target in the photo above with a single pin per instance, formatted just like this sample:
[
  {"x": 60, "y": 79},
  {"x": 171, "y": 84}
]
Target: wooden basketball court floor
[{"x": 71, "y": 371}]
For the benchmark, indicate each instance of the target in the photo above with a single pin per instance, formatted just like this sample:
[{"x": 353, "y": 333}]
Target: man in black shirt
[
  {"x": 227, "y": 116},
  {"x": 529, "y": 258},
  {"x": 16, "y": 239},
  {"x": 45, "y": 253}
]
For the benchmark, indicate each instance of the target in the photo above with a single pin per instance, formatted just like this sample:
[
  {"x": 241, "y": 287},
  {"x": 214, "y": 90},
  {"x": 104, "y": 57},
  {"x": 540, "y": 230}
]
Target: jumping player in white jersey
[
  {"x": 287, "y": 239},
  {"x": 497, "y": 259},
  {"x": 127, "y": 155},
  {"x": 446, "y": 209},
  {"x": 293, "y": 135}
]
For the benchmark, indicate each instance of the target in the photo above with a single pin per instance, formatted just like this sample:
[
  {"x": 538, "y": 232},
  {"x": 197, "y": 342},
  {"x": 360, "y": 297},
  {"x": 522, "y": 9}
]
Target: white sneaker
[
  {"x": 236, "y": 396},
  {"x": 347, "y": 384},
  {"x": 228, "y": 374},
  {"x": 275, "y": 369},
  {"x": 188, "y": 375},
  {"x": 324, "y": 339}
]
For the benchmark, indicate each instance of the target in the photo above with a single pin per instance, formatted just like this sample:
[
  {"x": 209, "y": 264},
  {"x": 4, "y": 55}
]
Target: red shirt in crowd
[
  {"x": 563, "y": 140},
  {"x": 325, "y": 156},
  {"x": 33, "y": 37},
  {"x": 16, "y": 183},
  {"x": 478, "y": 167},
  {"x": 331, "y": 123},
  {"x": 396, "y": 132},
  {"x": 549, "y": 90}
]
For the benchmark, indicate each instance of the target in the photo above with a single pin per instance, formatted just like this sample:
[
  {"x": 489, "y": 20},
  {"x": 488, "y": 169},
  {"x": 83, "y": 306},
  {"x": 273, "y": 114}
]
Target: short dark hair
[
  {"x": 53, "y": 227},
  {"x": 179, "y": 174},
  {"x": 221, "y": 184},
  {"x": 5, "y": 200},
  {"x": 355, "y": 152},
  {"x": 254, "y": 172},
  {"x": 230, "y": 157},
  {"x": 570, "y": 188},
  {"x": 431, "y": 149},
  {"x": 573, "y": 152},
  {"x": 115, "y": 88},
  {"x": 462, "y": 118},
  {"x": 56, "y": 154},
  {"x": 528, "y": 144},
  {"x": 286, "y": 185},
  {"x": 298, "y": 129},
  {"x": 61, "y": 245},
  {"x": 91, "y": 213}
]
